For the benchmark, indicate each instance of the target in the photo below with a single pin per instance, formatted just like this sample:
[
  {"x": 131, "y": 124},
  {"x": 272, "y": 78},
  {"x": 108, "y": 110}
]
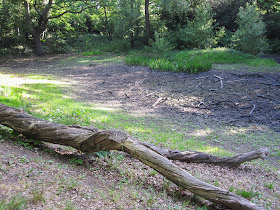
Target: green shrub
[
  {"x": 250, "y": 35},
  {"x": 161, "y": 44},
  {"x": 199, "y": 33}
]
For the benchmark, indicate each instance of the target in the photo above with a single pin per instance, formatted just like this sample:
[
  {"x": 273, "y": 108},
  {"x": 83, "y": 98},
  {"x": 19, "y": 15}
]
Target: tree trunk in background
[
  {"x": 106, "y": 24},
  {"x": 37, "y": 43},
  {"x": 147, "y": 20},
  {"x": 93, "y": 140},
  {"x": 36, "y": 34}
]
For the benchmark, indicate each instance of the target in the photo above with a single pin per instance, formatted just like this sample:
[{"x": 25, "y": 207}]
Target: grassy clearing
[
  {"x": 194, "y": 61},
  {"x": 48, "y": 99}
]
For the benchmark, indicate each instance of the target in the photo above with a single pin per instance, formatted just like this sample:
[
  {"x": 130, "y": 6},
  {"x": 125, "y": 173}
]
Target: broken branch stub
[{"x": 93, "y": 140}]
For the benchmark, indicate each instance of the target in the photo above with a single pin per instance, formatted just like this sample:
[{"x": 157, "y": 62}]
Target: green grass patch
[
  {"x": 269, "y": 185},
  {"x": 92, "y": 53},
  {"x": 16, "y": 202},
  {"x": 247, "y": 194},
  {"x": 227, "y": 56},
  {"x": 194, "y": 61},
  {"x": 188, "y": 65}
]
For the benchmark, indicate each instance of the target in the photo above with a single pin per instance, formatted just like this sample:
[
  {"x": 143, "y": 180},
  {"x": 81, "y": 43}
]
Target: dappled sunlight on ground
[
  {"x": 201, "y": 132},
  {"x": 12, "y": 80}
]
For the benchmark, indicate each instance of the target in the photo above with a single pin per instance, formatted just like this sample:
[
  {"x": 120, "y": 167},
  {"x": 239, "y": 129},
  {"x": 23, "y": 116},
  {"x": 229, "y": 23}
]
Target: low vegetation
[{"x": 194, "y": 61}]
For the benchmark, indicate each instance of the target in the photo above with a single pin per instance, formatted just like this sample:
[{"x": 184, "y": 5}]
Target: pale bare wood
[{"x": 93, "y": 140}]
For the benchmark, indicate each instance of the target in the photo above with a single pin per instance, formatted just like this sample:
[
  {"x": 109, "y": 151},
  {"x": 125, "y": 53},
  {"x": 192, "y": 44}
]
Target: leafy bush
[{"x": 250, "y": 35}]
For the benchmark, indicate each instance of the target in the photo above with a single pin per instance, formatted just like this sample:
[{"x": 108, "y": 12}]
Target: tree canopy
[{"x": 55, "y": 26}]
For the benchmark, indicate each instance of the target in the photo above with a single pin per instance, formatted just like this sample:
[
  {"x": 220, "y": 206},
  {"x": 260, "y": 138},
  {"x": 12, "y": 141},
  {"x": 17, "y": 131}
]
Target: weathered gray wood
[
  {"x": 200, "y": 157},
  {"x": 93, "y": 140}
]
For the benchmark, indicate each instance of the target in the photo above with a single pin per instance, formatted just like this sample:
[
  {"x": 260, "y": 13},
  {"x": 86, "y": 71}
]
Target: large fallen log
[{"x": 94, "y": 140}]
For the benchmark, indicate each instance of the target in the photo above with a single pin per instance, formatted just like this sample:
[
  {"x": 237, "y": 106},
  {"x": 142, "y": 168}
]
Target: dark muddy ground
[{"x": 239, "y": 98}]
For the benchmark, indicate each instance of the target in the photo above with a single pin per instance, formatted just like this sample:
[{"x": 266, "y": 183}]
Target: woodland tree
[
  {"x": 38, "y": 13},
  {"x": 251, "y": 30}
]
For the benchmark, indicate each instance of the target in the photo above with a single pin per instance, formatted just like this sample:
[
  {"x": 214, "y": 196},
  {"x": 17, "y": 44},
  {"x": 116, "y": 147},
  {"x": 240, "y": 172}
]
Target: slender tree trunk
[
  {"x": 147, "y": 20},
  {"x": 106, "y": 22},
  {"x": 93, "y": 140}
]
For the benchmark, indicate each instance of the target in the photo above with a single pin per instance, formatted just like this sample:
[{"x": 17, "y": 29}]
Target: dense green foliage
[{"x": 65, "y": 25}]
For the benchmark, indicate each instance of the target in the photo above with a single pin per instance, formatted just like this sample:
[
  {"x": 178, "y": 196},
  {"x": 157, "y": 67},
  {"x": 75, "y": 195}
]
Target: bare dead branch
[
  {"x": 221, "y": 80},
  {"x": 251, "y": 112},
  {"x": 159, "y": 100}
]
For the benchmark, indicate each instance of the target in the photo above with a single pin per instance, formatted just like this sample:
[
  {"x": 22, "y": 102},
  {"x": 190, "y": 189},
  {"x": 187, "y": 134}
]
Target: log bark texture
[{"x": 93, "y": 140}]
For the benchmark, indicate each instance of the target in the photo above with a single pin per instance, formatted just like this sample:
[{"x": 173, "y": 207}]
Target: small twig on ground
[
  {"x": 221, "y": 80},
  {"x": 151, "y": 93},
  {"x": 237, "y": 80},
  {"x": 201, "y": 77},
  {"x": 266, "y": 83},
  {"x": 200, "y": 103},
  {"x": 160, "y": 100},
  {"x": 137, "y": 83},
  {"x": 198, "y": 85},
  {"x": 251, "y": 112}
]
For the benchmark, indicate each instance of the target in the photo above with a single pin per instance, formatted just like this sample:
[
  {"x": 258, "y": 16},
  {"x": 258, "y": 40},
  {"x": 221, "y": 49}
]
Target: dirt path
[{"x": 223, "y": 100}]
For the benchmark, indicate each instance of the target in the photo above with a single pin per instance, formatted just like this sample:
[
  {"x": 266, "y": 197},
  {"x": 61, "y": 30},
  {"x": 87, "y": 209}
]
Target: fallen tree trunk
[{"x": 94, "y": 140}]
